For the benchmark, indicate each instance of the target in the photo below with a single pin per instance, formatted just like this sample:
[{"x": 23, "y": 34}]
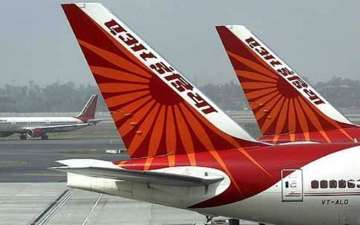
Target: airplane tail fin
[
  {"x": 156, "y": 110},
  {"x": 88, "y": 112},
  {"x": 285, "y": 106}
]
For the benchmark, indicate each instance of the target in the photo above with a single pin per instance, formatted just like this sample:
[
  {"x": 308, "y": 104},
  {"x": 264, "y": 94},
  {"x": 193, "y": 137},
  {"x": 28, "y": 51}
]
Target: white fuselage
[
  {"x": 325, "y": 191},
  {"x": 334, "y": 197},
  {"x": 18, "y": 124}
]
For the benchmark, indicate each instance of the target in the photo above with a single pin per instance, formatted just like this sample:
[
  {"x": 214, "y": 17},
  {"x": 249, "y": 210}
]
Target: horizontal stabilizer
[
  {"x": 153, "y": 177},
  {"x": 95, "y": 121}
]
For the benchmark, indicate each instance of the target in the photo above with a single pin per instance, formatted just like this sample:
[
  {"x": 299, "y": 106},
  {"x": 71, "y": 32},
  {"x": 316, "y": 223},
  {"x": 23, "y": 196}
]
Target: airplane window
[
  {"x": 324, "y": 184},
  {"x": 342, "y": 184},
  {"x": 333, "y": 184},
  {"x": 358, "y": 184},
  {"x": 315, "y": 184},
  {"x": 287, "y": 184},
  {"x": 351, "y": 184}
]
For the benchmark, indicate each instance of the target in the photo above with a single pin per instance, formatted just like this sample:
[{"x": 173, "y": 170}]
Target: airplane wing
[{"x": 154, "y": 177}]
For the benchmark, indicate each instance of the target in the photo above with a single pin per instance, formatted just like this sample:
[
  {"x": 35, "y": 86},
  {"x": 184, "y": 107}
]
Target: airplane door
[{"x": 292, "y": 185}]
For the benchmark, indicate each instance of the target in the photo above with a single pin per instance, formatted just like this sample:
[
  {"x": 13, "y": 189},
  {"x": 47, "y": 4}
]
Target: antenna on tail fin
[{"x": 88, "y": 112}]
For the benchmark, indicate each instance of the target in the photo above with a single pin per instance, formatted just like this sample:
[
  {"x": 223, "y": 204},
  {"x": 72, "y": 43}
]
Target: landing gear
[
  {"x": 221, "y": 221},
  {"x": 44, "y": 137},
  {"x": 208, "y": 220},
  {"x": 23, "y": 136},
  {"x": 234, "y": 222}
]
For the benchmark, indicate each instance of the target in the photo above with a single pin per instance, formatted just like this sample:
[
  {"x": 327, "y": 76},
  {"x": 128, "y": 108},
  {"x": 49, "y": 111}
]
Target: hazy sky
[{"x": 319, "y": 39}]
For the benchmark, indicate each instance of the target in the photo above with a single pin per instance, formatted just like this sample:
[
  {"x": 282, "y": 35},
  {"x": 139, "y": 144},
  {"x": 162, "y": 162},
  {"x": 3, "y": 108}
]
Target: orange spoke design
[
  {"x": 292, "y": 120},
  {"x": 138, "y": 116},
  {"x": 272, "y": 115},
  {"x": 218, "y": 158},
  {"x": 255, "y": 76},
  {"x": 256, "y": 85},
  {"x": 117, "y": 115},
  {"x": 118, "y": 75},
  {"x": 263, "y": 101},
  {"x": 259, "y": 93},
  {"x": 115, "y": 59},
  {"x": 251, "y": 159},
  {"x": 258, "y": 67},
  {"x": 148, "y": 163},
  {"x": 206, "y": 141},
  {"x": 282, "y": 117},
  {"x": 171, "y": 160},
  {"x": 170, "y": 136},
  {"x": 235, "y": 144},
  {"x": 345, "y": 133},
  {"x": 157, "y": 132},
  {"x": 144, "y": 129},
  {"x": 302, "y": 119},
  {"x": 198, "y": 128},
  {"x": 185, "y": 136},
  {"x": 265, "y": 110},
  {"x": 132, "y": 107},
  {"x": 335, "y": 124},
  {"x": 124, "y": 98},
  {"x": 314, "y": 119}
]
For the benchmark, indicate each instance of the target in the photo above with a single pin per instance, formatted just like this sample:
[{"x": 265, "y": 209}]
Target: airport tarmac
[
  {"x": 55, "y": 204},
  {"x": 28, "y": 161},
  {"x": 30, "y": 193}
]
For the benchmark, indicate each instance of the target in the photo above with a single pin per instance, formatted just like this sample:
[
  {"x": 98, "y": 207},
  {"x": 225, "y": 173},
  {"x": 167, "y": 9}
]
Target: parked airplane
[
  {"x": 185, "y": 152},
  {"x": 286, "y": 107},
  {"x": 40, "y": 126}
]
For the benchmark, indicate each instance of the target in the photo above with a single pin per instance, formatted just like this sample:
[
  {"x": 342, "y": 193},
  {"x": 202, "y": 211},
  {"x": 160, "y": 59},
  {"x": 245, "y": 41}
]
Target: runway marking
[
  {"x": 92, "y": 210},
  {"x": 59, "y": 202}
]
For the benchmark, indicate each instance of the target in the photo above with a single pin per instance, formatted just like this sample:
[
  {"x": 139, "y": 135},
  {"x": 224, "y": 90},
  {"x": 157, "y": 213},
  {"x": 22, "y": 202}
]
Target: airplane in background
[
  {"x": 185, "y": 152},
  {"x": 286, "y": 108},
  {"x": 40, "y": 126}
]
